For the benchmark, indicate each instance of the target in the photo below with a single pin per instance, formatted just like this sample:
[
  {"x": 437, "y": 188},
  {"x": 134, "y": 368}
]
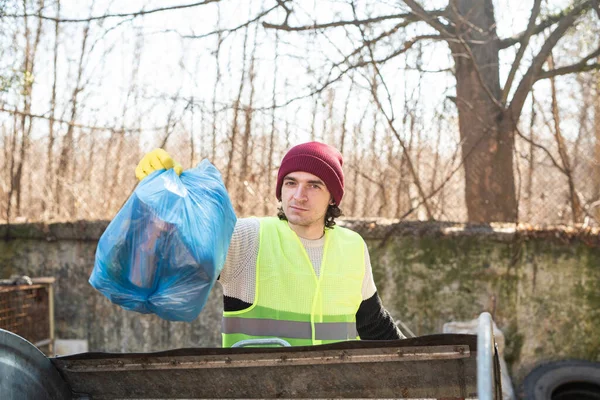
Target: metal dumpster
[{"x": 449, "y": 366}]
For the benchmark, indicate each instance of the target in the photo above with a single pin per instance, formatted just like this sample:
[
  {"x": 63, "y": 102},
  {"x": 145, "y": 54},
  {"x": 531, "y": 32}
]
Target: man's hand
[{"x": 155, "y": 160}]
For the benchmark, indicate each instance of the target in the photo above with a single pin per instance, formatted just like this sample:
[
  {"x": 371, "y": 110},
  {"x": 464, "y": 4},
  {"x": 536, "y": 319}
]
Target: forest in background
[{"x": 460, "y": 110}]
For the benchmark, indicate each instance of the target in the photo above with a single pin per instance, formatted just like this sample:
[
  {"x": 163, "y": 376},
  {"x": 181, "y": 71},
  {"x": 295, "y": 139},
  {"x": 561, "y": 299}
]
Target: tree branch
[
  {"x": 366, "y": 43},
  {"x": 408, "y": 17},
  {"x": 407, "y": 45},
  {"x": 118, "y": 15},
  {"x": 73, "y": 124},
  {"x": 535, "y": 11},
  {"x": 543, "y": 148},
  {"x": 231, "y": 30},
  {"x": 581, "y": 66},
  {"x": 516, "y": 105},
  {"x": 548, "y": 22},
  {"x": 568, "y": 70},
  {"x": 428, "y": 17}
]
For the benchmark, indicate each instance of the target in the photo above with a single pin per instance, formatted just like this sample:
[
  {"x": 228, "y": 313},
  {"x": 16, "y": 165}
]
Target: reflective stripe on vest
[{"x": 289, "y": 329}]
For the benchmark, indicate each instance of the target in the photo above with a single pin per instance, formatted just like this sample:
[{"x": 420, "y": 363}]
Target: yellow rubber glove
[{"x": 155, "y": 160}]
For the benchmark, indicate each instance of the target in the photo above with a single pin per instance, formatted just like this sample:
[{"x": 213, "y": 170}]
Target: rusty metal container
[
  {"x": 28, "y": 310},
  {"x": 438, "y": 366}
]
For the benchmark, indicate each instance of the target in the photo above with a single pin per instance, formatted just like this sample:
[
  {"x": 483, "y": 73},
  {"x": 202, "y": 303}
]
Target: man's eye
[{"x": 316, "y": 186}]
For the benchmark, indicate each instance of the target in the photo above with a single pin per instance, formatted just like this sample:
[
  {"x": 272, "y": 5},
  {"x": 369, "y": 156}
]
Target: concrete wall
[{"x": 541, "y": 286}]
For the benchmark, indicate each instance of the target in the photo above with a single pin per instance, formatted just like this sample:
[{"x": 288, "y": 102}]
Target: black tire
[{"x": 563, "y": 380}]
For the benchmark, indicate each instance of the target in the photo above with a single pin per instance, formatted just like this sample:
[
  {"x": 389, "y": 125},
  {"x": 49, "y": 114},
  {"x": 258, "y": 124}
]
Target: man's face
[{"x": 304, "y": 198}]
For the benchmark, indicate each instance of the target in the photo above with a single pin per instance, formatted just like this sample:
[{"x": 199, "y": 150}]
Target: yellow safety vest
[{"x": 291, "y": 302}]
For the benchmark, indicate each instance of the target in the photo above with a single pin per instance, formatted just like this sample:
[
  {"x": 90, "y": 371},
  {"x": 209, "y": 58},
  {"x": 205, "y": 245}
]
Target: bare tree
[
  {"x": 236, "y": 110},
  {"x": 270, "y": 150},
  {"x": 117, "y": 137},
  {"x": 48, "y": 192},
  {"x": 11, "y": 154},
  {"x": 172, "y": 121},
  {"x": 328, "y": 130},
  {"x": 248, "y": 114},
  {"x": 66, "y": 155},
  {"x": 343, "y": 127},
  {"x": 315, "y": 112},
  {"x": 488, "y": 111},
  {"x": 562, "y": 151},
  {"x": 356, "y": 161},
  {"x": 26, "y": 122},
  {"x": 596, "y": 180},
  {"x": 531, "y": 159},
  {"x": 371, "y": 155},
  {"x": 216, "y": 86}
]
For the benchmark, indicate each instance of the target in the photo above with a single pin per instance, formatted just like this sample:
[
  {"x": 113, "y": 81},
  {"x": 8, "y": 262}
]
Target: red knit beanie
[{"x": 318, "y": 159}]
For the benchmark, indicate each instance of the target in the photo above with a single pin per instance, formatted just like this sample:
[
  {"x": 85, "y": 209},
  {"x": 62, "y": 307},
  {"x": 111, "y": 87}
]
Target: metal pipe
[
  {"x": 485, "y": 357},
  {"x": 51, "y": 317}
]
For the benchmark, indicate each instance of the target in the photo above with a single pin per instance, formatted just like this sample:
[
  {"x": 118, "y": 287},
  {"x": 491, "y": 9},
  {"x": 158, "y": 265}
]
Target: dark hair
[{"x": 333, "y": 211}]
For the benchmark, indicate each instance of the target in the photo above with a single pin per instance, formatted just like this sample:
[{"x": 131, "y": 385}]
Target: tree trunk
[
  {"x": 562, "y": 151},
  {"x": 27, "y": 91},
  {"x": 596, "y": 182},
  {"x": 242, "y": 188},
  {"x": 234, "y": 125},
  {"x": 66, "y": 201},
  {"x": 486, "y": 130},
  {"x": 328, "y": 135},
  {"x": 119, "y": 137},
  {"x": 313, "y": 127},
  {"x": 213, "y": 153},
  {"x": 192, "y": 144},
  {"x": 531, "y": 167},
  {"x": 357, "y": 161},
  {"x": 371, "y": 157},
  {"x": 12, "y": 152},
  {"x": 343, "y": 128},
  {"x": 49, "y": 192},
  {"x": 269, "y": 163}
]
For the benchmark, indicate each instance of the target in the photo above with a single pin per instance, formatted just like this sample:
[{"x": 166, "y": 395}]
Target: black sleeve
[{"x": 373, "y": 322}]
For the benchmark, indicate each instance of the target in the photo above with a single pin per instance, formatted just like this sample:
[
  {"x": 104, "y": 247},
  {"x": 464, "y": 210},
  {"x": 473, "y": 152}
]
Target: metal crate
[{"x": 28, "y": 311}]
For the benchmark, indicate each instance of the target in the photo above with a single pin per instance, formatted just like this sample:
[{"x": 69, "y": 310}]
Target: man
[{"x": 297, "y": 276}]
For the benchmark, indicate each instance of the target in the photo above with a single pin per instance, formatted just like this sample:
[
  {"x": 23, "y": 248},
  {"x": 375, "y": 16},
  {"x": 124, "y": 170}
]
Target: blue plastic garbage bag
[{"x": 166, "y": 247}]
